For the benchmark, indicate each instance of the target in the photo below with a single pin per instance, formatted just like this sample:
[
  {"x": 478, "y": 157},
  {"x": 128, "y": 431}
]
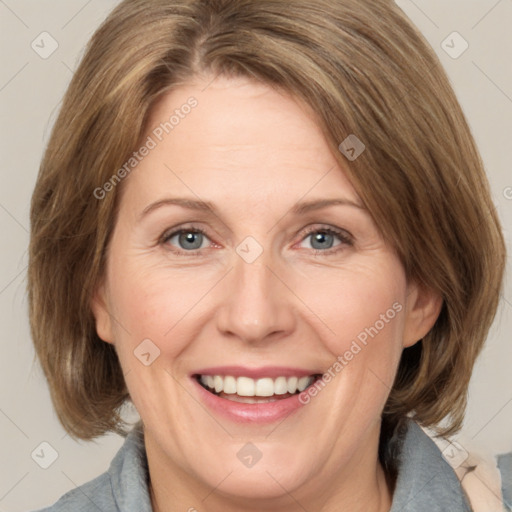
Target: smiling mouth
[{"x": 253, "y": 391}]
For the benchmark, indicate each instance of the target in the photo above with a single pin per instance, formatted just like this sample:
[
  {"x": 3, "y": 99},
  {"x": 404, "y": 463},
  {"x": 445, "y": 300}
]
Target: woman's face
[{"x": 284, "y": 276}]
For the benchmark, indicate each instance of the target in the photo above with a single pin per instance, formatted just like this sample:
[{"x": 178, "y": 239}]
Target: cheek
[
  {"x": 155, "y": 303},
  {"x": 361, "y": 305},
  {"x": 368, "y": 344},
  {"x": 362, "y": 315}
]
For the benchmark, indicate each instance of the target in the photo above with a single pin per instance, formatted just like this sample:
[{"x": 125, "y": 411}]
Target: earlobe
[
  {"x": 101, "y": 315},
  {"x": 422, "y": 309}
]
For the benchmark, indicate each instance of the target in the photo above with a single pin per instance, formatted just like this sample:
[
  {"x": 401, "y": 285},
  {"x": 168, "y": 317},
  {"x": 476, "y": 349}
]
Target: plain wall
[{"x": 31, "y": 89}]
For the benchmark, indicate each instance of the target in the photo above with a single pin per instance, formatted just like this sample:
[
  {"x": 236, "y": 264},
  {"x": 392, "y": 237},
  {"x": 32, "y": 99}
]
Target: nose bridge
[{"x": 256, "y": 303}]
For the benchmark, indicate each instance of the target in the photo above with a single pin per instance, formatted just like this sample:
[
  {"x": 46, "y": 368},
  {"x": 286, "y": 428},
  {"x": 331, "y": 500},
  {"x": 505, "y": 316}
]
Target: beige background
[{"x": 31, "y": 89}]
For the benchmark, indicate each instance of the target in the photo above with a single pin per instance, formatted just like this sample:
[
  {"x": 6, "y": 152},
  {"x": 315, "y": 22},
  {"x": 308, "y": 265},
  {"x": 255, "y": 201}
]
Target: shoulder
[
  {"x": 92, "y": 496},
  {"x": 425, "y": 481},
  {"x": 123, "y": 487},
  {"x": 482, "y": 476},
  {"x": 505, "y": 467}
]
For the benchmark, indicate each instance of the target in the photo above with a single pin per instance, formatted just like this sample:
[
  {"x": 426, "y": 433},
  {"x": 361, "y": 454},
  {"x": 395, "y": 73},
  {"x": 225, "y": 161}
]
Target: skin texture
[{"x": 254, "y": 153}]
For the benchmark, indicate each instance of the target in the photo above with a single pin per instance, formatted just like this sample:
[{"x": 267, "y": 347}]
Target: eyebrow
[{"x": 297, "y": 209}]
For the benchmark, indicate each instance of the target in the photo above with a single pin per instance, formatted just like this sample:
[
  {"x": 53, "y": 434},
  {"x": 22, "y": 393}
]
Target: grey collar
[{"x": 425, "y": 482}]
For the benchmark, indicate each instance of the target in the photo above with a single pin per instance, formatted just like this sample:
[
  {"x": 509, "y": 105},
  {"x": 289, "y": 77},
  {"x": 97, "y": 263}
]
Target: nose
[{"x": 257, "y": 306}]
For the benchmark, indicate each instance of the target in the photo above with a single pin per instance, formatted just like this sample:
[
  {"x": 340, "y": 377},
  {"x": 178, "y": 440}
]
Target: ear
[
  {"x": 422, "y": 308},
  {"x": 101, "y": 315}
]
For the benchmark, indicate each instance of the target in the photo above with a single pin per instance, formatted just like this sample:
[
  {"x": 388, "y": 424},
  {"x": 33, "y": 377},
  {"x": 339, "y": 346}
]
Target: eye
[
  {"x": 186, "y": 240},
  {"x": 323, "y": 239},
  {"x": 190, "y": 240}
]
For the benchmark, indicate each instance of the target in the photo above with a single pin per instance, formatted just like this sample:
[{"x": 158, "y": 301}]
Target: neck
[
  {"x": 380, "y": 502},
  {"x": 361, "y": 485}
]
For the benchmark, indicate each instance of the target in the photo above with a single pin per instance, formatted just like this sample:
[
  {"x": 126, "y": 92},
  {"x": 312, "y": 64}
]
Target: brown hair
[{"x": 364, "y": 70}]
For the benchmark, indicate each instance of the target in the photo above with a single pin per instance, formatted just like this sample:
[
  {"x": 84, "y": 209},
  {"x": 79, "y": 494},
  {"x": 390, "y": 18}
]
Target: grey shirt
[
  {"x": 425, "y": 482},
  {"x": 505, "y": 465}
]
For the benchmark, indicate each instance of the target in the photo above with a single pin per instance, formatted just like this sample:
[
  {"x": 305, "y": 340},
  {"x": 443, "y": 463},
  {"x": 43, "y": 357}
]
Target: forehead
[{"x": 240, "y": 139}]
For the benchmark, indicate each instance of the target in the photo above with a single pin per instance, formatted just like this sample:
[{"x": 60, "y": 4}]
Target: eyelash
[{"x": 344, "y": 237}]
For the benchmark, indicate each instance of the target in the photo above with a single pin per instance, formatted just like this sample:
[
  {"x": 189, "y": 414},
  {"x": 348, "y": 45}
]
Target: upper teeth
[{"x": 245, "y": 386}]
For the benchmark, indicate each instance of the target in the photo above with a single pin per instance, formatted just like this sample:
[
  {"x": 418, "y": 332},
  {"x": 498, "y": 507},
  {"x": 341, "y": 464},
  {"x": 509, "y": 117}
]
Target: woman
[{"x": 204, "y": 154}]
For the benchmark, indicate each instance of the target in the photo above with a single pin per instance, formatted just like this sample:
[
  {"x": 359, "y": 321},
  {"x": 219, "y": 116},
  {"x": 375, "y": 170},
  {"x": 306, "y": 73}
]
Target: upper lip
[{"x": 256, "y": 373}]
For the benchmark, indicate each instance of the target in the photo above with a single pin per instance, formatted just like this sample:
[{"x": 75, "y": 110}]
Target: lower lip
[{"x": 263, "y": 412}]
